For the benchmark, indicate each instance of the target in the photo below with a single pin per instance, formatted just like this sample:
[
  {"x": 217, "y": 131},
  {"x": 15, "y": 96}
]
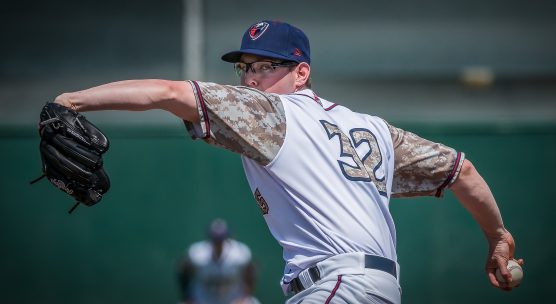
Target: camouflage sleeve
[
  {"x": 422, "y": 167},
  {"x": 239, "y": 119}
]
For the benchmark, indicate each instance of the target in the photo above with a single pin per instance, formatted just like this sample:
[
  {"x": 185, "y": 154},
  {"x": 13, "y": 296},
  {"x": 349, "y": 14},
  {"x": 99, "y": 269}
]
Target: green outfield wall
[{"x": 166, "y": 188}]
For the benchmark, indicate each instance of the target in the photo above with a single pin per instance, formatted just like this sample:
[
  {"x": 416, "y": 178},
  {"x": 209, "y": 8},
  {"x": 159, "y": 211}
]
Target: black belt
[{"x": 371, "y": 262}]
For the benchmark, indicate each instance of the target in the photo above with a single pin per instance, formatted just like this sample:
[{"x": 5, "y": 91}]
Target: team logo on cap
[{"x": 257, "y": 30}]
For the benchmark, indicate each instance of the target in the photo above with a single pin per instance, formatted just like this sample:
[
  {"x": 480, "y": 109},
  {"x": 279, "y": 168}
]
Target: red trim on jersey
[
  {"x": 334, "y": 290},
  {"x": 203, "y": 109},
  {"x": 450, "y": 177},
  {"x": 317, "y": 100}
]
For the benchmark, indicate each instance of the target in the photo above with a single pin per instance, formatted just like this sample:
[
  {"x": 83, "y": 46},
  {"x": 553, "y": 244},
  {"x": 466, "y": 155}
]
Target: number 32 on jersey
[{"x": 367, "y": 168}]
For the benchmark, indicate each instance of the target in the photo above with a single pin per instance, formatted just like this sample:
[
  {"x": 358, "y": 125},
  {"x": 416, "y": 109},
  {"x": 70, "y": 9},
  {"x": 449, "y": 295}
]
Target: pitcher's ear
[{"x": 302, "y": 73}]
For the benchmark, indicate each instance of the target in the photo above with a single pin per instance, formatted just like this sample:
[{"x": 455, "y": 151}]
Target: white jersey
[
  {"x": 321, "y": 174},
  {"x": 218, "y": 281},
  {"x": 327, "y": 190}
]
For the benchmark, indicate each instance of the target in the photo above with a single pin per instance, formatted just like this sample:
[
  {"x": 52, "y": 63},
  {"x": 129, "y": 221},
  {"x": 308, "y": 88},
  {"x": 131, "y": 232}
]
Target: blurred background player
[{"x": 218, "y": 270}]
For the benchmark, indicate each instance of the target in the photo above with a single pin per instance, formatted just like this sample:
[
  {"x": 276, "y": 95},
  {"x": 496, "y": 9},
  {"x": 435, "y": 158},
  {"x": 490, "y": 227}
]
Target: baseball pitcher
[{"x": 321, "y": 174}]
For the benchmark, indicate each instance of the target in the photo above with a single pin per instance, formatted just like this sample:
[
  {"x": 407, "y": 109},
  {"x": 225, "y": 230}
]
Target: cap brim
[{"x": 236, "y": 55}]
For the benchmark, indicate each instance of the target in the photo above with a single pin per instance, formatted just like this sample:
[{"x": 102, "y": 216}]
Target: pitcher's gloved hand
[{"x": 71, "y": 150}]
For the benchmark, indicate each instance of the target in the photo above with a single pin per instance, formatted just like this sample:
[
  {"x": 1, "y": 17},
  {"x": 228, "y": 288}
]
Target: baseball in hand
[{"x": 515, "y": 270}]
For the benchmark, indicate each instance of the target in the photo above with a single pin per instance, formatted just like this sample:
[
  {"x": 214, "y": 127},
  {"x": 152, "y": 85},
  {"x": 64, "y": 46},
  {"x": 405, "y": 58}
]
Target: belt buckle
[
  {"x": 305, "y": 279},
  {"x": 295, "y": 286}
]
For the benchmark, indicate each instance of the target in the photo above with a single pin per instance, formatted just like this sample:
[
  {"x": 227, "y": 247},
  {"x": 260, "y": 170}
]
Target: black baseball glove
[{"x": 71, "y": 151}]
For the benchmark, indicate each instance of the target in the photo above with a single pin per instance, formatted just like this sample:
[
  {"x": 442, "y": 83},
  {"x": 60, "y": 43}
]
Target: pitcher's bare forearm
[
  {"x": 474, "y": 194},
  {"x": 136, "y": 95}
]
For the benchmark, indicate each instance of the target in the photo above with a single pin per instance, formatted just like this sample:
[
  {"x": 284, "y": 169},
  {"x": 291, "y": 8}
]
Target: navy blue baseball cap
[{"x": 274, "y": 39}]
